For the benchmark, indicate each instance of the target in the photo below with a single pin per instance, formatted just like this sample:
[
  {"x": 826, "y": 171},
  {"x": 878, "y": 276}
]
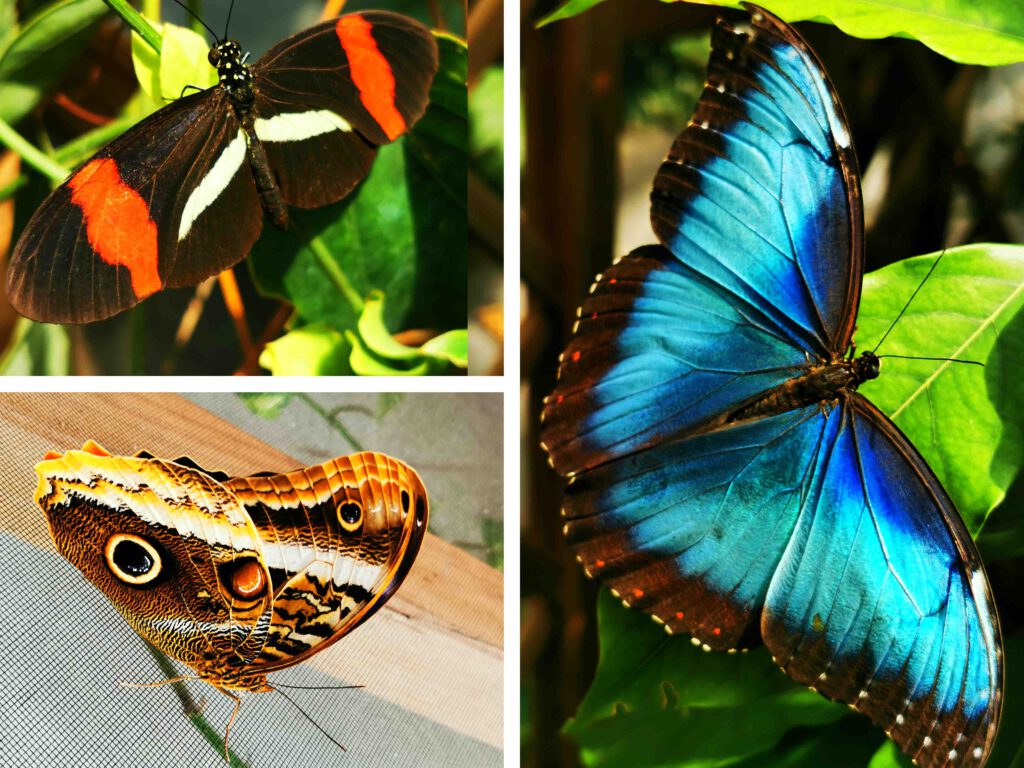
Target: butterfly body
[
  {"x": 724, "y": 474},
  {"x": 236, "y": 577},
  {"x": 181, "y": 195}
]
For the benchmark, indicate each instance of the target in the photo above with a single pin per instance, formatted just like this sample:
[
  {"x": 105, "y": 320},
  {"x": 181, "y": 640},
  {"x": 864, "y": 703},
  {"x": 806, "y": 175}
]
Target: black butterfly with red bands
[{"x": 180, "y": 196}]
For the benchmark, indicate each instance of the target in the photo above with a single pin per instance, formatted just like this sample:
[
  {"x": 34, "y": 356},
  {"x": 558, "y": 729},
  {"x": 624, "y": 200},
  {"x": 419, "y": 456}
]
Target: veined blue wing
[
  {"x": 830, "y": 530},
  {"x": 881, "y": 600},
  {"x": 758, "y": 207}
]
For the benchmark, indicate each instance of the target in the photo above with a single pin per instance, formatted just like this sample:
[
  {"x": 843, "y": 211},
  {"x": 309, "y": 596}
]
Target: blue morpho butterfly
[{"x": 724, "y": 475}]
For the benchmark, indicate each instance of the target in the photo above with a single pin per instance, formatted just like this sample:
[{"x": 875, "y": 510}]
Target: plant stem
[
  {"x": 137, "y": 22},
  {"x": 88, "y": 143},
  {"x": 336, "y": 274},
  {"x": 337, "y": 425},
  {"x": 17, "y": 143},
  {"x": 191, "y": 709}
]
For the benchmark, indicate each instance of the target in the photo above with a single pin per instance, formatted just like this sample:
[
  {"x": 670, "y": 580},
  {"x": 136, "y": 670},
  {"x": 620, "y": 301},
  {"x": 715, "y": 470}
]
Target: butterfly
[
  {"x": 180, "y": 196},
  {"x": 236, "y": 577},
  {"x": 723, "y": 473}
]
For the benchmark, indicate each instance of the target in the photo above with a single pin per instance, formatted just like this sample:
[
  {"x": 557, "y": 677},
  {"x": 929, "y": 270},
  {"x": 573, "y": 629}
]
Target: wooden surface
[{"x": 436, "y": 647}]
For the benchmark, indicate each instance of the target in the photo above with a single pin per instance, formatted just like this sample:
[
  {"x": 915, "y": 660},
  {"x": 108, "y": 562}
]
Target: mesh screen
[{"x": 433, "y": 701}]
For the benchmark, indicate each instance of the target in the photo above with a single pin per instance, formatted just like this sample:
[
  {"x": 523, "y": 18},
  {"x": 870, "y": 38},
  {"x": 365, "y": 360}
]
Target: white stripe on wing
[
  {"x": 296, "y": 126},
  {"x": 213, "y": 184}
]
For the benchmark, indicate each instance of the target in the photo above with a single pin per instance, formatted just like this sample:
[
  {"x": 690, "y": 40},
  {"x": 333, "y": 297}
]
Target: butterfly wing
[
  {"x": 758, "y": 210},
  {"x": 328, "y": 96},
  {"x": 338, "y": 539},
  {"x": 866, "y": 583},
  {"x": 174, "y": 553},
  {"x": 705, "y": 524},
  {"x": 881, "y": 600},
  {"x": 120, "y": 228}
]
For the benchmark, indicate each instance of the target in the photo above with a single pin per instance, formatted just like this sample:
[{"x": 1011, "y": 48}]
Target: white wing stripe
[
  {"x": 296, "y": 126},
  {"x": 213, "y": 184}
]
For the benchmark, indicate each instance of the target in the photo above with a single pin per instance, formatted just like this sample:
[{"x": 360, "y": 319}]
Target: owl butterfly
[{"x": 236, "y": 577}]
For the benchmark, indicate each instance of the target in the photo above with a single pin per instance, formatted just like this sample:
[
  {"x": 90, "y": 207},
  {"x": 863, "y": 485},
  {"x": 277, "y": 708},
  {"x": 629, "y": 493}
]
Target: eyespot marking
[{"x": 132, "y": 559}]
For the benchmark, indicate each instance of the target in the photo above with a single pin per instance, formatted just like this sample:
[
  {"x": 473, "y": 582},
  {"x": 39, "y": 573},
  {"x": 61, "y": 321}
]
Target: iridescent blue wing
[
  {"x": 881, "y": 600},
  {"x": 831, "y": 530},
  {"x": 758, "y": 208}
]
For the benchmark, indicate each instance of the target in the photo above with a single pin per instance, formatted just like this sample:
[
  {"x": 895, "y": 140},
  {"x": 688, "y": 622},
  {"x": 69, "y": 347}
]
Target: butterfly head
[
  {"x": 866, "y": 366},
  {"x": 232, "y": 73}
]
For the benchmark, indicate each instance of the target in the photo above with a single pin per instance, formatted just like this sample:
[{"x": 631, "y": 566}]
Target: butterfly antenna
[
  {"x": 941, "y": 359},
  {"x": 916, "y": 290},
  {"x": 317, "y": 687},
  {"x": 315, "y": 724},
  {"x": 227, "y": 23},
  {"x": 192, "y": 13}
]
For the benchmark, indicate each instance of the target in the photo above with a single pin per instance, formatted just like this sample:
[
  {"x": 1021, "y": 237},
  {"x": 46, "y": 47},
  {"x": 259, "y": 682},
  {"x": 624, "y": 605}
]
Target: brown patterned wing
[
  {"x": 337, "y": 540},
  {"x": 170, "y": 548}
]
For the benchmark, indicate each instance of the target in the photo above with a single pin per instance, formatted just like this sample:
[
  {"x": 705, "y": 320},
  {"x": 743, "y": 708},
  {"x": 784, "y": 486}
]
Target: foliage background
[
  {"x": 72, "y": 75},
  {"x": 939, "y": 144}
]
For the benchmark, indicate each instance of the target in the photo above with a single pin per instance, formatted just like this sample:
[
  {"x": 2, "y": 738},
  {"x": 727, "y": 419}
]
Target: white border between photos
[{"x": 511, "y": 379}]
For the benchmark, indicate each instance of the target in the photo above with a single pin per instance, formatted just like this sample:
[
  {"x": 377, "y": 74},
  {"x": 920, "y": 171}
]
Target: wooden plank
[{"x": 435, "y": 649}]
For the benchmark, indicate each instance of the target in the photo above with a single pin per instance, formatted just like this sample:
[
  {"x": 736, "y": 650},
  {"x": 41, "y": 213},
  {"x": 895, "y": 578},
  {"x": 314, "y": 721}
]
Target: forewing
[
  {"x": 170, "y": 202},
  {"x": 758, "y": 210},
  {"x": 760, "y": 192},
  {"x": 659, "y": 350},
  {"x": 881, "y": 600},
  {"x": 329, "y": 95}
]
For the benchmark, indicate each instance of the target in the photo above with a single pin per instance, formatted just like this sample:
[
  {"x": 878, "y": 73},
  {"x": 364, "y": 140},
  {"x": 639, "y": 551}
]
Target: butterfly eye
[
  {"x": 350, "y": 515},
  {"x": 213, "y": 56},
  {"x": 132, "y": 559},
  {"x": 245, "y": 578}
]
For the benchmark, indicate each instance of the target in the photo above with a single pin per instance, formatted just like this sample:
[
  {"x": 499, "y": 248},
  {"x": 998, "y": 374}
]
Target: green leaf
[
  {"x": 8, "y": 21},
  {"x": 452, "y": 346},
  {"x": 487, "y": 126},
  {"x": 182, "y": 62},
  {"x": 365, "y": 363},
  {"x": 989, "y": 32},
  {"x": 569, "y": 9},
  {"x": 37, "y": 349},
  {"x": 375, "y": 349},
  {"x": 889, "y": 756},
  {"x": 313, "y": 350},
  {"x": 964, "y": 419},
  {"x": 375, "y": 334},
  {"x": 402, "y": 232},
  {"x": 658, "y": 700},
  {"x": 37, "y": 57}
]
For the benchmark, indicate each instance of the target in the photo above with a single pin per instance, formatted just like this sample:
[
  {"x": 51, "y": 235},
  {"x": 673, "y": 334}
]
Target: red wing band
[
  {"x": 117, "y": 223},
  {"x": 371, "y": 73}
]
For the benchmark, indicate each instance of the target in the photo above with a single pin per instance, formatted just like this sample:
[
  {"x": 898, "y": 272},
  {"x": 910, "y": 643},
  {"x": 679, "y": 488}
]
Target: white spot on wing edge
[
  {"x": 296, "y": 126},
  {"x": 213, "y": 184}
]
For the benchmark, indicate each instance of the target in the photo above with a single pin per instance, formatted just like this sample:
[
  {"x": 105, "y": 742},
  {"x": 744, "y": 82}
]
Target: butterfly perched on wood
[
  {"x": 236, "y": 577},
  {"x": 724, "y": 475},
  {"x": 180, "y": 196}
]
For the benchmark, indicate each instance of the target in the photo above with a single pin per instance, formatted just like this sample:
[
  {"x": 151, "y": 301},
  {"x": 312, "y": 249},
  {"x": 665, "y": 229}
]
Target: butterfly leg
[{"x": 234, "y": 713}]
